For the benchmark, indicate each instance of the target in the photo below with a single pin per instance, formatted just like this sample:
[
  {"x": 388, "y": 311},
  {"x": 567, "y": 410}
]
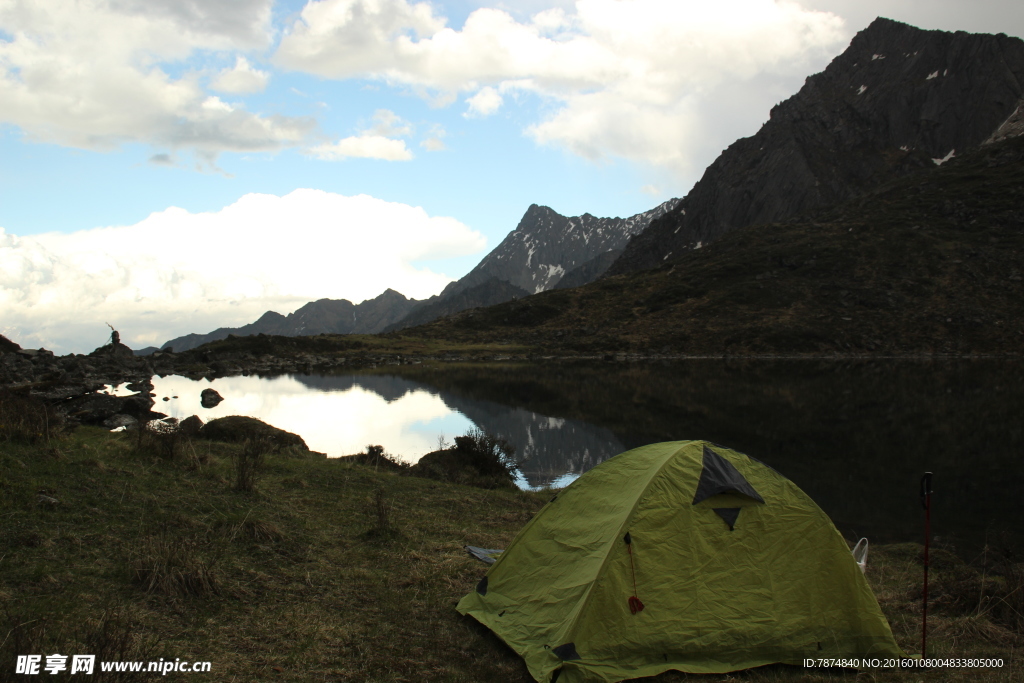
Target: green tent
[{"x": 681, "y": 555}]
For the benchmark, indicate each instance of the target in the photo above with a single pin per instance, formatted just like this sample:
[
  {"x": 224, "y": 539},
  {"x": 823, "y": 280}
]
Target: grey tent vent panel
[
  {"x": 718, "y": 475},
  {"x": 729, "y": 515},
  {"x": 567, "y": 651}
]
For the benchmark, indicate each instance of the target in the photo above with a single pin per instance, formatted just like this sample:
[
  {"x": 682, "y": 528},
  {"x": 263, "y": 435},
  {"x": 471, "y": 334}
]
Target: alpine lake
[{"x": 856, "y": 436}]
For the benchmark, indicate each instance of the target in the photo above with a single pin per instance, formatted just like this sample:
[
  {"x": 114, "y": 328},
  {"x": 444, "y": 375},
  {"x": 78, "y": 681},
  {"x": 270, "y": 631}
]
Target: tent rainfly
[{"x": 681, "y": 555}]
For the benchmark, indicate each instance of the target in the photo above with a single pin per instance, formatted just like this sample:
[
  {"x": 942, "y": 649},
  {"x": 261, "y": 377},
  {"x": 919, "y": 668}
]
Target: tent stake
[{"x": 926, "y": 501}]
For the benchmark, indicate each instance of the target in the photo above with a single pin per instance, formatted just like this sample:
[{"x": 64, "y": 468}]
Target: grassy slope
[
  {"x": 298, "y": 582},
  {"x": 932, "y": 264}
]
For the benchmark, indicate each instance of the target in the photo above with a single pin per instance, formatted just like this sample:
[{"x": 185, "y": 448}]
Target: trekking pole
[{"x": 926, "y": 501}]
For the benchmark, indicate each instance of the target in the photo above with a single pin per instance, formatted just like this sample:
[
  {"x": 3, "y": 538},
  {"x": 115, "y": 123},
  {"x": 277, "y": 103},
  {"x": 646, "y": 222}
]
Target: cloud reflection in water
[{"x": 338, "y": 422}]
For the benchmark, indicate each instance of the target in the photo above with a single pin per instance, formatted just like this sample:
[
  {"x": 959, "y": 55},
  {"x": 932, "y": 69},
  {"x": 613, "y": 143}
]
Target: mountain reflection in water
[{"x": 856, "y": 437}]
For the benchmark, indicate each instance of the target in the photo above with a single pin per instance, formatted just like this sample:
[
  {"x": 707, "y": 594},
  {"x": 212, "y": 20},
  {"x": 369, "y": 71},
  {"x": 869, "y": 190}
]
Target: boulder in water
[{"x": 210, "y": 398}]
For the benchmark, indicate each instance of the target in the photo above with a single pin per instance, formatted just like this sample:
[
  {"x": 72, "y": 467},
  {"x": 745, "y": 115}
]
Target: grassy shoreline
[{"x": 335, "y": 571}]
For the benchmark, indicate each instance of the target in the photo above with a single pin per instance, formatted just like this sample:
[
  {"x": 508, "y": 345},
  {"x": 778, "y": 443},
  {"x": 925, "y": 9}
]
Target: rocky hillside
[
  {"x": 7, "y": 346},
  {"x": 326, "y": 316},
  {"x": 897, "y": 100},
  {"x": 929, "y": 264}
]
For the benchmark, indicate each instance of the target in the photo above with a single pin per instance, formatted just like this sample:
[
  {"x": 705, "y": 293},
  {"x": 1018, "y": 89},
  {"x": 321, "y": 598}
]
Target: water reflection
[
  {"x": 334, "y": 415},
  {"x": 855, "y": 436},
  {"x": 341, "y": 414}
]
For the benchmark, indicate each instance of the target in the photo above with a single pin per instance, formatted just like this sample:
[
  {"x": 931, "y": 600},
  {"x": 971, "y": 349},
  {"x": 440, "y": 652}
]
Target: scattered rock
[
  {"x": 94, "y": 408},
  {"x": 35, "y": 353},
  {"x": 115, "y": 421},
  {"x": 114, "y": 350},
  {"x": 190, "y": 426}
]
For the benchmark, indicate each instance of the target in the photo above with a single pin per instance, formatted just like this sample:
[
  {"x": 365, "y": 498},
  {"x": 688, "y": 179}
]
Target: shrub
[
  {"x": 249, "y": 460},
  {"x": 383, "y": 528},
  {"x": 383, "y": 511},
  {"x": 477, "y": 459},
  {"x": 377, "y": 458},
  {"x": 26, "y": 419},
  {"x": 163, "y": 440}
]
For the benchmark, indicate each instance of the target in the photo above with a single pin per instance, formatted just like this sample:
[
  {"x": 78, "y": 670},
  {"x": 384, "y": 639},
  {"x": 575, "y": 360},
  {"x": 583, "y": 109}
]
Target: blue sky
[{"x": 172, "y": 166}]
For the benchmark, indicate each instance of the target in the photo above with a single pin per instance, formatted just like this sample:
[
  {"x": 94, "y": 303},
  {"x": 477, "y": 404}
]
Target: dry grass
[
  {"x": 114, "y": 634},
  {"x": 290, "y": 585},
  {"x": 24, "y": 419},
  {"x": 173, "y": 567}
]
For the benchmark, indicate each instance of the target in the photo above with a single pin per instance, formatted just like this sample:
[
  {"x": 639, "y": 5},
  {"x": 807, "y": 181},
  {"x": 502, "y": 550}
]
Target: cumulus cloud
[
  {"x": 239, "y": 23},
  {"x": 434, "y": 142},
  {"x": 178, "y": 272},
  {"x": 389, "y": 124},
  {"x": 364, "y": 146},
  {"x": 640, "y": 79},
  {"x": 241, "y": 79},
  {"x": 98, "y": 73},
  {"x": 376, "y": 142},
  {"x": 484, "y": 103}
]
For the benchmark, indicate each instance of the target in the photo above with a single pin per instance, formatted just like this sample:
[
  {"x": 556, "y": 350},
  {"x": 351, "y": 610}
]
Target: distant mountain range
[
  {"x": 543, "y": 249},
  {"x": 337, "y": 316},
  {"x": 898, "y": 101}
]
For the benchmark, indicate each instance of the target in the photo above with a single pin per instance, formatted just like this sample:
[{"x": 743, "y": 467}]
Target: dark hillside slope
[
  {"x": 487, "y": 293},
  {"x": 932, "y": 263},
  {"x": 897, "y": 100}
]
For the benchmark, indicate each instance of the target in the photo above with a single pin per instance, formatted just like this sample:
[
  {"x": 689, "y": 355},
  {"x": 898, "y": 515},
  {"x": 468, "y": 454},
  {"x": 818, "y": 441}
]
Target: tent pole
[{"x": 926, "y": 501}]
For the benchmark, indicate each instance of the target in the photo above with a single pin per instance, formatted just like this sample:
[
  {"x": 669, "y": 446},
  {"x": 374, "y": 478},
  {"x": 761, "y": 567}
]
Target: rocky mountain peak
[
  {"x": 545, "y": 249},
  {"x": 546, "y": 245},
  {"x": 897, "y": 100}
]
